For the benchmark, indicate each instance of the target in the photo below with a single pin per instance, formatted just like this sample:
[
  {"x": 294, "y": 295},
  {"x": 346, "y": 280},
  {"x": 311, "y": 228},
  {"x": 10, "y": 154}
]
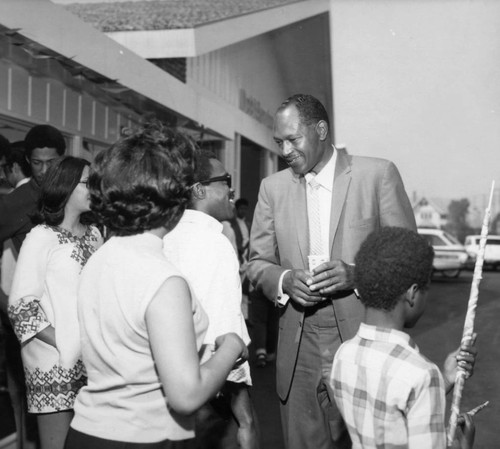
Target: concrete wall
[
  {"x": 247, "y": 73},
  {"x": 251, "y": 78},
  {"x": 418, "y": 82}
]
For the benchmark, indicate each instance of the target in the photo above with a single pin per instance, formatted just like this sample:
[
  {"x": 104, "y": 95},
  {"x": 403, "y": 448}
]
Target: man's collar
[
  {"x": 325, "y": 176},
  {"x": 369, "y": 332},
  {"x": 199, "y": 217},
  {"x": 21, "y": 182}
]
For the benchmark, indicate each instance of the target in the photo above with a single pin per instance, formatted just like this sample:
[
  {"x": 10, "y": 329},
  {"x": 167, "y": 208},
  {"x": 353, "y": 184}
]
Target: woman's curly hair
[
  {"x": 388, "y": 263},
  {"x": 143, "y": 181}
]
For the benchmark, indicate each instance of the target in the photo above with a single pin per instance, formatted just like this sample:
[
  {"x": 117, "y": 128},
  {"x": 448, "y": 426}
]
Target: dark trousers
[
  {"x": 310, "y": 417},
  {"x": 79, "y": 440},
  {"x": 263, "y": 320},
  {"x": 26, "y": 425}
]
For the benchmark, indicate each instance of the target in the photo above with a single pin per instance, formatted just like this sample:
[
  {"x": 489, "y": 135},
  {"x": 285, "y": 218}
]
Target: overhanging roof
[
  {"x": 77, "y": 44},
  {"x": 190, "y": 38},
  {"x": 129, "y": 15}
]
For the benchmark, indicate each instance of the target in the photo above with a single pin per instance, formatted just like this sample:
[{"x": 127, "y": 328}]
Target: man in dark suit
[
  {"x": 241, "y": 228},
  {"x": 325, "y": 204},
  {"x": 43, "y": 145}
]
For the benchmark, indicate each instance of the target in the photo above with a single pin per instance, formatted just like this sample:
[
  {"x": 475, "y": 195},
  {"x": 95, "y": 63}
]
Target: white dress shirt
[
  {"x": 325, "y": 179},
  {"x": 197, "y": 247}
]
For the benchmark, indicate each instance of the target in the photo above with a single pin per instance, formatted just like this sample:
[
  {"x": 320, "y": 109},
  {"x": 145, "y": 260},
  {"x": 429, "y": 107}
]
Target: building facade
[{"x": 220, "y": 81}]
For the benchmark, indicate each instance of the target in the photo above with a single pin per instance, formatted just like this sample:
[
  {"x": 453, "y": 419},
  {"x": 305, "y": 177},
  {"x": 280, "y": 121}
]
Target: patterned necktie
[{"x": 313, "y": 205}]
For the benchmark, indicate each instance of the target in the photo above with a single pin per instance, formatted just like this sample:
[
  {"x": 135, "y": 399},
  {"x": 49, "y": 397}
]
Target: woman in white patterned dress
[{"x": 42, "y": 304}]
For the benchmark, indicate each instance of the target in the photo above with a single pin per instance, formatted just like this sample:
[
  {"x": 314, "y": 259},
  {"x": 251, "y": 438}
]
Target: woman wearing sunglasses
[{"x": 42, "y": 303}]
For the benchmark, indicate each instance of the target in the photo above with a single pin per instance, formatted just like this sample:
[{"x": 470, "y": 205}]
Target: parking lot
[{"x": 439, "y": 332}]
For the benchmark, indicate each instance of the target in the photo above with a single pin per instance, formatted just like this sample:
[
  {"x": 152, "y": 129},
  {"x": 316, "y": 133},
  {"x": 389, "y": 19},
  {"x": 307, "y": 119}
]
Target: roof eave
[
  {"x": 65, "y": 34},
  {"x": 191, "y": 42}
]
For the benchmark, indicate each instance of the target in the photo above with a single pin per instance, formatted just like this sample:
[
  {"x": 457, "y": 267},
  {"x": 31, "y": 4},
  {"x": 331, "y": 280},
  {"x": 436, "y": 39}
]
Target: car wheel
[{"x": 451, "y": 273}]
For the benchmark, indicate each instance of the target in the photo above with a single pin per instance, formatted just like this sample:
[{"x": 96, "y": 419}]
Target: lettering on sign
[{"x": 252, "y": 107}]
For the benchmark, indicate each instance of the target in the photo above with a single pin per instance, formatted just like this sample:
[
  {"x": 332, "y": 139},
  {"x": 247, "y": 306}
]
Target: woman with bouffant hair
[
  {"x": 141, "y": 328},
  {"x": 42, "y": 303},
  {"x": 142, "y": 182}
]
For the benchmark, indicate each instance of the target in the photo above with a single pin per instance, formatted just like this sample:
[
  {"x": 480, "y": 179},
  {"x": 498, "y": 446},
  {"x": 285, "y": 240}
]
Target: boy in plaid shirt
[{"x": 390, "y": 395}]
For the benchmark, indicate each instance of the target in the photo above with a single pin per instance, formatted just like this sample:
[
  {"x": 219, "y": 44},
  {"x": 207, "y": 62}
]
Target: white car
[
  {"x": 450, "y": 256},
  {"x": 491, "y": 252}
]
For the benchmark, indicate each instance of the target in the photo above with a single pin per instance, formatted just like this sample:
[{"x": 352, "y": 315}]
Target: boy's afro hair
[{"x": 389, "y": 261}]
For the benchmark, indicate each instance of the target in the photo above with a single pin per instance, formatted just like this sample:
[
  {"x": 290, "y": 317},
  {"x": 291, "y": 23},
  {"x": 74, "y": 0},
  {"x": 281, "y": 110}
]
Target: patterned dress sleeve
[{"x": 25, "y": 312}]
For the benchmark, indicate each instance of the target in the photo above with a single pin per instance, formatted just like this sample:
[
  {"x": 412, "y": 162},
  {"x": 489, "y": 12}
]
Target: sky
[{"x": 419, "y": 83}]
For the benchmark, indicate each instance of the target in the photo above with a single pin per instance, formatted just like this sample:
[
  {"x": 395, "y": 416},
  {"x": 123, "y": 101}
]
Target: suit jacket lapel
[{"x": 341, "y": 183}]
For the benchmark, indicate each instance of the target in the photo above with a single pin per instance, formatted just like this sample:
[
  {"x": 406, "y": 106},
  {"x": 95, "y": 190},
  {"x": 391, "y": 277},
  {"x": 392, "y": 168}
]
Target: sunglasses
[{"x": 226, "y": 178}]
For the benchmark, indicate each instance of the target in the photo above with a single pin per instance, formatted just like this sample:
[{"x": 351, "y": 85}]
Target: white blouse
[
  {"x": 43, "y": 294},
  {"x": 124, "y": 399}
]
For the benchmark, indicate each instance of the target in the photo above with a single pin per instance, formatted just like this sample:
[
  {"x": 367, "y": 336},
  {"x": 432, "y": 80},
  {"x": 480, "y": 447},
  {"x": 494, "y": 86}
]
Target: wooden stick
[{"x": 469, "y": 322}]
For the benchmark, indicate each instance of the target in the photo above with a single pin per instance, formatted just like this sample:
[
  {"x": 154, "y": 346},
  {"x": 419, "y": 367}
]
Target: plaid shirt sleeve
[{"x": 426, "y": 413}]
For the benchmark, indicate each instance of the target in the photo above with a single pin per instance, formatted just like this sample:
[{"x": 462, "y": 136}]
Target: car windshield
[
  {"x": 451, "y": 238},
  {"x": 434, "y": 240},
  {"x": 477, "y": 240}
]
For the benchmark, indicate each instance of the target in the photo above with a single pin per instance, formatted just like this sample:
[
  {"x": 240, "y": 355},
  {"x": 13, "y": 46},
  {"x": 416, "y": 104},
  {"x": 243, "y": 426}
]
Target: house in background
[{"x": 431, "y": 213}]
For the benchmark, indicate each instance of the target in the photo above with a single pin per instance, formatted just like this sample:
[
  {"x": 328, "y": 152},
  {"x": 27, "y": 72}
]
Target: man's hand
[
  {"x": 463, "y": 358},
  {"x": 295, "y": 286},
  {"x": 331, "y": 277}
]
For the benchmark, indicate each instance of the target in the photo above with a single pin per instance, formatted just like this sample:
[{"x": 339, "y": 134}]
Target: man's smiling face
[{"x": 299, "y": 143}]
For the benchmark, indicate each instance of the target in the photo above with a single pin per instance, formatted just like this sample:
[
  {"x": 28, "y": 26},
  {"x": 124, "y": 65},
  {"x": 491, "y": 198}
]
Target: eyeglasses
[{"x": 226, "y": 178}]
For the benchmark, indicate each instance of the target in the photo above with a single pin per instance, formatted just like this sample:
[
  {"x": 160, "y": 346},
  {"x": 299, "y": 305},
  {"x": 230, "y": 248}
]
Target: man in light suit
[{"x": 319, "y": 309}]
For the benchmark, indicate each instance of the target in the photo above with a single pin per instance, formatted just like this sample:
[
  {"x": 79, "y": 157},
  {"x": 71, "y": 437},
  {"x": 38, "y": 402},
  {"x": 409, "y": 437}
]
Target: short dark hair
[
  {"x": 61, "y": 179},
  {"x": 4, "y": 147},
  {"x": 202, "y": 166},
  {"x": 240, "y": 202},
  {"x": 143, "y": 181},
  {"x": 18, "y": 156},
  {"x": 310, "y": 109},
  {"x": 389, "y": 261},
  {"x": 42, "y": 136}
]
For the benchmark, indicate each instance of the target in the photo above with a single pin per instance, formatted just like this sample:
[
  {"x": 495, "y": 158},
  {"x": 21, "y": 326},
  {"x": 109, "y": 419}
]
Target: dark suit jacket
[
  {"x": 239, "y": 237},
  {"x": 368, "y": 193},
  {"x": 15, "y": 210}
]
